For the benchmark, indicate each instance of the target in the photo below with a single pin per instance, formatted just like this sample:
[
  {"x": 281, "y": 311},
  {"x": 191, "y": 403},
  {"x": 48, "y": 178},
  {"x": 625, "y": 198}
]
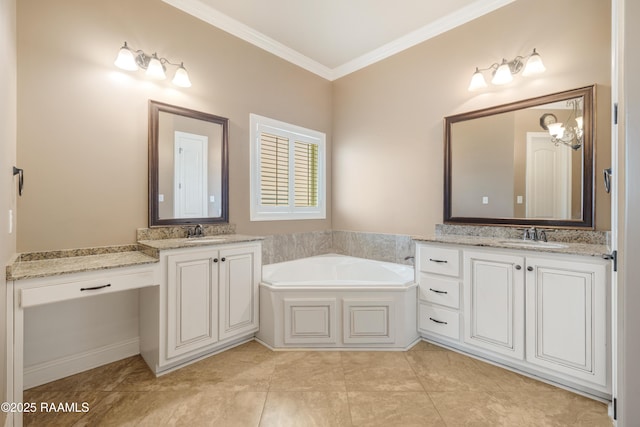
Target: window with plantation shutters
[{"x": 287, "y": 173}]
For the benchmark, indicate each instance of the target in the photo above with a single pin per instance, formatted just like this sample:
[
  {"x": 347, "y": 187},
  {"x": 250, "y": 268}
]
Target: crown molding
[{"x": 224, "y": 22}]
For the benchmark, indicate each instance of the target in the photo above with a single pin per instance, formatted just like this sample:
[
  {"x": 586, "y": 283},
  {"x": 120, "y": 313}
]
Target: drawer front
[
  {"x": 440, "y": 290},
  {"x": 440, "y": 321},
  {"x": 83, "y": 288},
  {"x": 440, "y": 260}
]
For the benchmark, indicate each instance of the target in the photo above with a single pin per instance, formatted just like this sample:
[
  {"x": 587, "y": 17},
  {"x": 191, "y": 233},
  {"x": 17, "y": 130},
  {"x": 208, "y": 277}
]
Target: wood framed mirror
[
  {"x": 188, "y": 166},
  {"x": 509, "y": 165}
]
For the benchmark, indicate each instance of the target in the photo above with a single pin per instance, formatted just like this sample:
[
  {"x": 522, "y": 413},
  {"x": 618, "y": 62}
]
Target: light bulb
[
  {"x": 534, "y": 65},
  {"x": 126, "y": 59},
  {"x": 181, "y": 78},
  {"x": 503, "y": 74},
  {"x": 556, "y": 130},
  {"x": 477, "y": 81},
  {"x": 155, "y": 69}
]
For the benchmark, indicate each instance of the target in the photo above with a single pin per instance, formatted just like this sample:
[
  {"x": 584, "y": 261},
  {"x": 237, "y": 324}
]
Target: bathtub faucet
[{"x": 410, "y": 257}]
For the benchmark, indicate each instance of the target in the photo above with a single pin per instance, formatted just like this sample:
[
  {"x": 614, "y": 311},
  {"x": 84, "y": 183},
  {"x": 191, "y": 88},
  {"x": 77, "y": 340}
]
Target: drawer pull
[
  {"x": 438, "y": 292},
  {"x": 94, "y": 288},
  {"x": 437, "y": 321},
  {"x": 438, "y": 260}
]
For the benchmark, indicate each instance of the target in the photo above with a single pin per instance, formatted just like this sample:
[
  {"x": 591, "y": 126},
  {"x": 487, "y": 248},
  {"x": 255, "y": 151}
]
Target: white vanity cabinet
[
  {"x": 210, "y": 302},
  {"x": 545, "y": 314}
]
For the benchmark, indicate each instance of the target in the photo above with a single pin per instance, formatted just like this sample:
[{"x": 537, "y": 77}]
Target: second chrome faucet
[{"x": 535, "y": 234}]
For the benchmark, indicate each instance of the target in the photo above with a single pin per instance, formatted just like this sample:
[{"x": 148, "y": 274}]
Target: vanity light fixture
[
  {"x": 569, "y": 133},
  {"x": 503, "y": 73},
  {"x": 132, "y": 60}
]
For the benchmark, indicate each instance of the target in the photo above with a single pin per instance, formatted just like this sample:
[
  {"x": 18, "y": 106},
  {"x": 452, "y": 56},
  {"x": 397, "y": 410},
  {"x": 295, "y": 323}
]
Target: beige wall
[
  {"x": 82, "y": 123},
  {"x": 388, "y": 117},
  {"x": 7, "y": 160}
]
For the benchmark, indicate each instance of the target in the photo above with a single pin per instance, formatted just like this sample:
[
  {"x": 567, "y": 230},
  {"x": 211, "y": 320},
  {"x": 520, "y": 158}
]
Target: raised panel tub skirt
[{"x": 337, "y": 301}]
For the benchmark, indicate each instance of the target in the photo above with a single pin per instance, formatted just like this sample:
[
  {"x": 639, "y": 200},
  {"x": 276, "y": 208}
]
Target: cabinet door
[
  {"x": 567, "y": 317},
  {"x": 192, "y": 321},
  {"x": 239, "y": 281},
  {"x": 494, "y": 302}
]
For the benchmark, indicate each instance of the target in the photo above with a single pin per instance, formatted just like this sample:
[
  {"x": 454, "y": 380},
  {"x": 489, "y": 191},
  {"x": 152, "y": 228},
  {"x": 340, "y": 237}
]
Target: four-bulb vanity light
[
  {"x": 503, "y": 73},
  {"x": 131, "y": 60}
]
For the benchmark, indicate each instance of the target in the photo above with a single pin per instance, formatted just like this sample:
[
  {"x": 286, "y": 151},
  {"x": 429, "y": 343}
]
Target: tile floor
[{"x": 253, "y": 386}]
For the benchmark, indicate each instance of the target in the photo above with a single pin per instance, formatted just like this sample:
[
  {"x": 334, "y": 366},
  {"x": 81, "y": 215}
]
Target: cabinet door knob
[
  {"x": 518, "y": 267},
  {"x": 529, "y": 268},
  {"x": 223, "y": 259},
  {"x": 215, "y": 260}
]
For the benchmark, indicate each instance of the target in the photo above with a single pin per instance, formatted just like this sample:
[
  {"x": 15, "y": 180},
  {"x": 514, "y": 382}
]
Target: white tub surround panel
[
  {"x": 542, "y": 313},
  {"x": 336, "y": 301}
]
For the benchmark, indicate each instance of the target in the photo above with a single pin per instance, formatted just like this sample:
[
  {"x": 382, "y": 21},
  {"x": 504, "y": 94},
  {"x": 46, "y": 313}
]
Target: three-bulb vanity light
[
  {"x": 503, "y": 73},
  {"x": 131, "y": 60}
]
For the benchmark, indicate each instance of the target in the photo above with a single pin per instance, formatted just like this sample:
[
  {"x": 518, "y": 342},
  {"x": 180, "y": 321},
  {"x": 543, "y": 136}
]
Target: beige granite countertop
[
  {"x": 216, "y": 239},
  {"x": 54, "y": 263},
  {"x": 585, "y": 249}
]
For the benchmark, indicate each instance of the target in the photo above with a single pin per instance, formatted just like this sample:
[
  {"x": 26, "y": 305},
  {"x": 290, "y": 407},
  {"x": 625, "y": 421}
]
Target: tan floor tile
[
  {"x": 511, "y": 381},
  {"x": 308, "y": 371},
  {"x": 479, "y": 409},
  {"x": 234, "y": 370},
  {"x": 393, "y": 409},
  {"x": 283, "y": 409},
  {"x": 48, "y": 413},
  {"x": 219, "y": 408},
  {"x": 557, "y": 407},
  {"x": 379, "y": 371},
  {"x": 427, "y": 346},
  {"x": 103, "y": 378},
  {"x": 450, "y": 371}
]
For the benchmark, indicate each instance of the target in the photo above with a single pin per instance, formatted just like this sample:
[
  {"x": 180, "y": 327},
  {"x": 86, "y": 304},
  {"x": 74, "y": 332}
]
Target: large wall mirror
[
  {"x": 526, "y": 163},
  {"x": 188, "y": 166}
]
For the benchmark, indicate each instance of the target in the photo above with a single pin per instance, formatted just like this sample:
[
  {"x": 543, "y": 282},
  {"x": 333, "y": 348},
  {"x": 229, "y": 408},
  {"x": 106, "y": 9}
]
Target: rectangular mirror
[
  {"x": 188, "y": 166},
  {"x": 525, "y": 163}
]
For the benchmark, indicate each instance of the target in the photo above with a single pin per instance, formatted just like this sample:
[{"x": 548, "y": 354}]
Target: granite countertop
[
  {"x": 54, "y": 263},
  {"x": 216, "y": 239},
  {"x": 570, "y": 248}
]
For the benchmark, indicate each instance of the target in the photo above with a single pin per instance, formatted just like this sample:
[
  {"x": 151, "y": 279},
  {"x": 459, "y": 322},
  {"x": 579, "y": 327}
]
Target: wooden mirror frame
[
  {"x": 155, "y": 108},
  {"x": 588, "y": 210}
]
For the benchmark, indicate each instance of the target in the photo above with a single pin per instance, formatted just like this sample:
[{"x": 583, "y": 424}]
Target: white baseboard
[{"x": 43, "y": 373}]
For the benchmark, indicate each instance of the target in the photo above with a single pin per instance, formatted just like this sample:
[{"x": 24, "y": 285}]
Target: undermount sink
[
  {"x": 533, "y": 244},
  {"x": 204, "y": 240}
]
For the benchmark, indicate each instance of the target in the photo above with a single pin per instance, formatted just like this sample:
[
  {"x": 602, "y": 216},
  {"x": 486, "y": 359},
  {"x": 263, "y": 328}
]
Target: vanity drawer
[
  {"x": 440, "y": 260},
  {"x": 101, "y": 284},
  {"x": 440, "y": 290},
  {"x": 440, "y": 321}
]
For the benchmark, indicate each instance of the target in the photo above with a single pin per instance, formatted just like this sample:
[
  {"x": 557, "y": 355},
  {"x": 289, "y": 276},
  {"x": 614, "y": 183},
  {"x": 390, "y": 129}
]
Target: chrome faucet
[
  {"x": 197, "y": 231},
  {"x": 535, "y": 235}
]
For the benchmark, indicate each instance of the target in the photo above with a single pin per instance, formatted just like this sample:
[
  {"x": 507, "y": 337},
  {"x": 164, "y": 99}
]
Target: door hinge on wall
[
  {"x": 615, "y": 113},
  {"x": 615, "y": 408},
  {"x": 613, "y": 256}
]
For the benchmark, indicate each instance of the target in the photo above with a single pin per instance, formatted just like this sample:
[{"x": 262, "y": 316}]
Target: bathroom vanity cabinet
[
  {"x": 208, "y": 302},
  {"x": 541, "y": 313}
]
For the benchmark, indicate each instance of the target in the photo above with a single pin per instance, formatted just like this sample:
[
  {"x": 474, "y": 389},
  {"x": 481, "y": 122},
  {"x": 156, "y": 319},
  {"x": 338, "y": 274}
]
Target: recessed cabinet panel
[
  {"x": 494, "y": 302},
  {"x": 567, "y": 318},
  {"x": 309, "y": 320},
  {"x": 192, "y": 288},
  {"x": 238, "y": 291},
  {"x": 368, "y": 321}
]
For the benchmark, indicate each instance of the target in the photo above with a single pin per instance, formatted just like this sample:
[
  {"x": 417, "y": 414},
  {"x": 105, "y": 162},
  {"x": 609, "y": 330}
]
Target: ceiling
[{"x": 333, "y": 38}]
